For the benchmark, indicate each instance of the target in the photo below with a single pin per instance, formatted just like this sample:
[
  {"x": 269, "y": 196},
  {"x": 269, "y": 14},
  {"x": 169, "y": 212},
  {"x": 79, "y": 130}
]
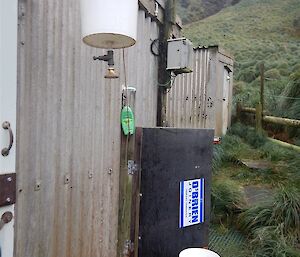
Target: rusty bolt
[{"x": 6, "y": 217}]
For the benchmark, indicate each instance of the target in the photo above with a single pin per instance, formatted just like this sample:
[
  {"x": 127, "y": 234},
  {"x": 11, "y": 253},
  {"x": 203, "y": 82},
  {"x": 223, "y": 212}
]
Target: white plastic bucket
[
  {"x": 109, "y": 23},
  {"x": 197, "y": 252}
]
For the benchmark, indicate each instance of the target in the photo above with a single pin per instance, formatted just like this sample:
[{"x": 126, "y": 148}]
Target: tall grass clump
[
  {"x": 249, "y": 134},
  {"x": 283, "y": 210},
  {"x": 218, "y": 157},
  {"x": 287, "y": 161},
  {"x": 228, "y": 151},
  {"x": 269, "y": 242},
  {"x": 274, "y": 226},
  {"x": 227, "y": 200},
  {"x": 278, "y": 153}
]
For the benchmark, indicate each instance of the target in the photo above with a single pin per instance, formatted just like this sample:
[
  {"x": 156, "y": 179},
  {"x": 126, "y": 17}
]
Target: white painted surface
[
  {"x": 8, "y": 82},
  {"x": 197, "y": 252},
  {"x": 226, "y": 85},
  {"x": 109, "y": 23}
]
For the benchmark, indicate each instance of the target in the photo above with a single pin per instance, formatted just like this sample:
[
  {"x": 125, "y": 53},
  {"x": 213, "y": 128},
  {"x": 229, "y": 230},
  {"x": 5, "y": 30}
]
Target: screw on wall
[
  {"x": 37, "y": 185},
  {"x": 67, "y": 179}
]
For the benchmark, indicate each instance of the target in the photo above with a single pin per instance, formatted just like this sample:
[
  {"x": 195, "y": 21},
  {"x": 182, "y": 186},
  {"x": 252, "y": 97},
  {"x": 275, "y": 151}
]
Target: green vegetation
[
  {"x": 227, "y": 200},
  {"x": 257, "y": 31},
  {"x": 194, "y": 10},
  {"x": 271, "y": 227}
]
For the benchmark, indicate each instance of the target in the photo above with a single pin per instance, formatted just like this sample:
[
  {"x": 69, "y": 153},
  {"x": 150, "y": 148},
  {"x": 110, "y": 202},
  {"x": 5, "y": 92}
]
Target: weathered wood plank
[
  {"x": 126, "y": 184},
  {"x": 284, "y": 144},
  {"x": 282, "y": 121}
]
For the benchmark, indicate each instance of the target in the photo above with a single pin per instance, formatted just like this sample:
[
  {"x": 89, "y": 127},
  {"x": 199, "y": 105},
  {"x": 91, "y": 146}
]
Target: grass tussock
[
  {"x": 274, "y": 226},
  {"x": 227, "y": 200}
]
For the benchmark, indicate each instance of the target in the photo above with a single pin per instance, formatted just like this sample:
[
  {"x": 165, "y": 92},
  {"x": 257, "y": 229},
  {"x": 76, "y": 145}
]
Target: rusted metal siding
[
  {"x": 186, "y": 100},
  {"x": 68, "y": 153},
  {"x": 195, "y": 99}
]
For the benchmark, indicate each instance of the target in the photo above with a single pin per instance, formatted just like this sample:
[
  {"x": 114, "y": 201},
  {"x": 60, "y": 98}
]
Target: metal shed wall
[
  {"x": 69, "y": 131},
  {"x": 195, "y": 99}
]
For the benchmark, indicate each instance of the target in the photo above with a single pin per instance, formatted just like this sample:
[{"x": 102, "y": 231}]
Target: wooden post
[
  {"x": 163, "y": 75},
  {"x": 262, "y": 85},
  {"x": 258, "y": 118},
  {"x": 125, "y": 241}
]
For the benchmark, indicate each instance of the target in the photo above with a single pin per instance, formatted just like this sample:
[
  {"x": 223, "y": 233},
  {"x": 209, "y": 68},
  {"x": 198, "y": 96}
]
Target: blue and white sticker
[{"x": 191, "y": 202}]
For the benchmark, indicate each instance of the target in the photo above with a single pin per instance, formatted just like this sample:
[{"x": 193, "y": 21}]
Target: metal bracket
[
  {"x": 7, "y": 189},
  {"x": 132, "y": 167}
]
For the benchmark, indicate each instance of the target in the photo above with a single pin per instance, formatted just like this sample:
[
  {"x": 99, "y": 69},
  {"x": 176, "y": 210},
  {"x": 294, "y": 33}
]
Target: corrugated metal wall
[
  {"x": 186, "y": 100},
  {"x": 69, "y": 131},
  {"x": 195, "y": 99}
]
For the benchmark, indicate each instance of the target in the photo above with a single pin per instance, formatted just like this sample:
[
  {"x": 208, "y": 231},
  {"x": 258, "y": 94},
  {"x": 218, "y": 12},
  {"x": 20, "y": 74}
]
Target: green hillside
[
  {"x": 194, "y": 10},
  {"x": 256, "y": 31}
]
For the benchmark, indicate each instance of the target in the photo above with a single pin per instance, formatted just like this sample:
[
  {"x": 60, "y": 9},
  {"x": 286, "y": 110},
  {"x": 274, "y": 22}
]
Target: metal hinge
[
  {"x": 7, "y": 189},
  {"x": 132, "y": 167}
]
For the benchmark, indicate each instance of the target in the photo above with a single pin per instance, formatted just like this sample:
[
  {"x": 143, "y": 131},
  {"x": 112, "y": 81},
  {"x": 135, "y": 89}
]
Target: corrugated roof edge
[
  {"x": 219, "y": 49},
  {"x": 150, "y": 8}
]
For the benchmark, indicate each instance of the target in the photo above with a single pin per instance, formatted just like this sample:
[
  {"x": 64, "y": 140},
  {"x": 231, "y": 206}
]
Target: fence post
[
  {"x": 258, "y": 118},
  {"x": 262, "y": 85}
]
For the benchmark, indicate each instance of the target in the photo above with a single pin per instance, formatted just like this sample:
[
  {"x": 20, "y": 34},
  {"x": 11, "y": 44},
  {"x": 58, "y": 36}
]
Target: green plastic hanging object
[{"x": 127, "y": 121}]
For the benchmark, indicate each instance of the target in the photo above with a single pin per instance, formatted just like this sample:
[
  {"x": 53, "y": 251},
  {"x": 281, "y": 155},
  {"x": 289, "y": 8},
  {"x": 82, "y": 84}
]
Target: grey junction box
[{"x": 180, "y": 55}]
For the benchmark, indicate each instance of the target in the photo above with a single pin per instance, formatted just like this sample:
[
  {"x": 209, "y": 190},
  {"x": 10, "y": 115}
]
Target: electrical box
[{"x": 180, "y": 55}]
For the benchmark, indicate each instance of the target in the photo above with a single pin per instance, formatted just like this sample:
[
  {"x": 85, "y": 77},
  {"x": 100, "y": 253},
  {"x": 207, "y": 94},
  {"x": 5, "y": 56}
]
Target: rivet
[
  {"x": 110, "y": 171},
  {"x": 90, "y": 174},
  {"x": 8, "y": 200},
  {"x": 9, "y": 179}
]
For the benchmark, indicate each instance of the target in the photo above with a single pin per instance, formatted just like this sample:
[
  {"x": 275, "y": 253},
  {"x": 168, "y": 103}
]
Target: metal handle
[{"x": 6, "y": 126}]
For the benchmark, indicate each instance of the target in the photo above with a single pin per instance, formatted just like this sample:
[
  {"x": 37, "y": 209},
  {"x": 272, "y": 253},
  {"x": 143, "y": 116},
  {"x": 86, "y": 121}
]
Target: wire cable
[
  {"x": 126, "y": 103},
  {"x": 281, "y": 96}
]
